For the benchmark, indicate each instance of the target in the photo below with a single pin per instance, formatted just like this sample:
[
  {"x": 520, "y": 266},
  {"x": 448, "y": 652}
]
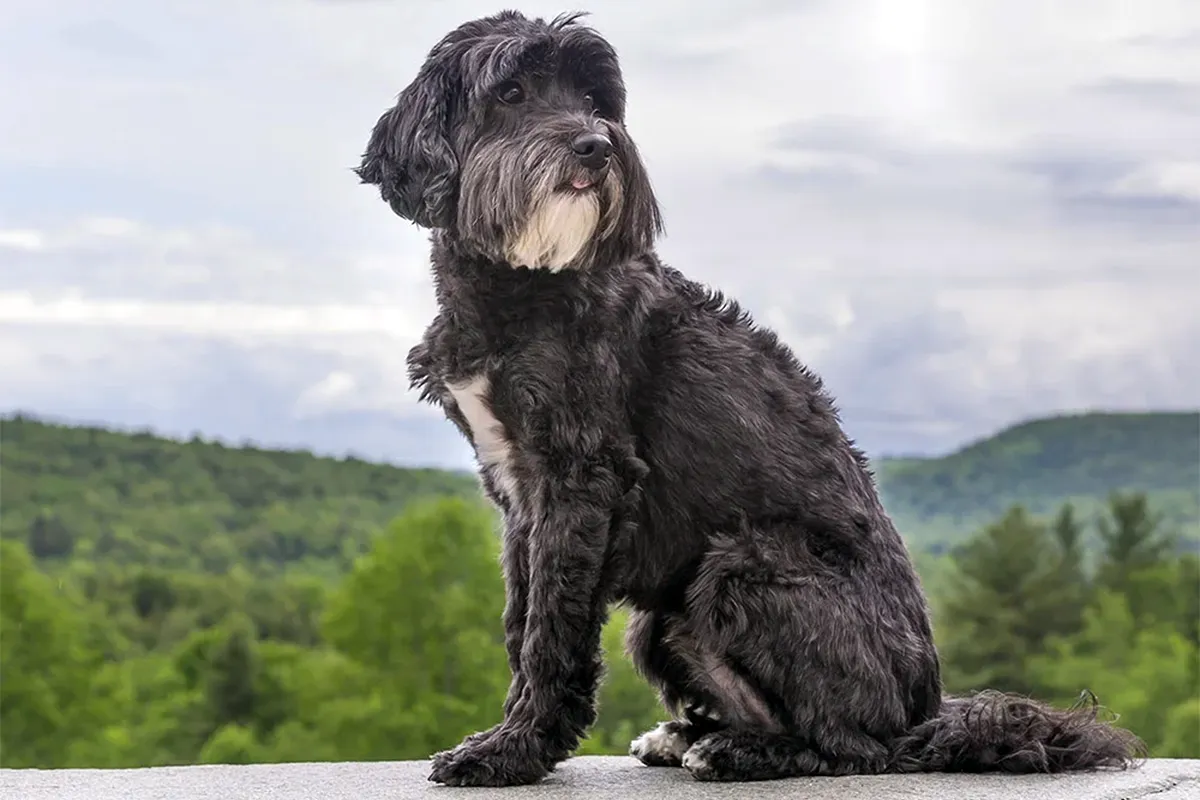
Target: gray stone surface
[{"x": 585, "y": 777}]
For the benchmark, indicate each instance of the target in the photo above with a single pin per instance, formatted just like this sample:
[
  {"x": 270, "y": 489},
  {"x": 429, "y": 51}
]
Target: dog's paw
[
  {"x": 663, "y": 746},
  {"x": 697, "y": 765},
  {"x": 702, "y": 761},
  {"x": 496, "y": 759}
]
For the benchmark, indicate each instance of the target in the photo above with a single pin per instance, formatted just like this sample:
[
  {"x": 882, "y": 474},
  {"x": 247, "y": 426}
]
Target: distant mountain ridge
[
  {"x": 1045, "y": 462},
  {"x": 107, "y": 487}
]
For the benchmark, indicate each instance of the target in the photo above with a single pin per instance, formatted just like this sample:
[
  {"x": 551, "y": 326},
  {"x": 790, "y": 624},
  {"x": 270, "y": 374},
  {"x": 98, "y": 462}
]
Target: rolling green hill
[
  {"x": 135, "y": 498},
  {"x": 1043, "y": 463}
]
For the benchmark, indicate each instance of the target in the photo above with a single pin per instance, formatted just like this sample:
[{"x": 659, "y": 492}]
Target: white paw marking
[
  {"x": 660, "y": 744},
  {"x": 694, "y": 762},
  {"x": 492, "y": 447}
]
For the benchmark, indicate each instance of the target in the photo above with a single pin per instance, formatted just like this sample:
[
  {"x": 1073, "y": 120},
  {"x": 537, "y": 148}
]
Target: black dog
[{"x": 648, "y": 444}]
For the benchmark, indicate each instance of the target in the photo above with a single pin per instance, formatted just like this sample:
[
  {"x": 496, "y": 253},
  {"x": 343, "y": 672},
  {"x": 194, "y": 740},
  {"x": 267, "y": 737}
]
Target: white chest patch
[
  {"x": 492, "y": 448},
  {"x": 557, "y": 231}
]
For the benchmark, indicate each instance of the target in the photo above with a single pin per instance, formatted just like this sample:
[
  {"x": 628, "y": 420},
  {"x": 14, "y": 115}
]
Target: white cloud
[
  {"x": 232, "y": 320},
  {"x": 1175, "y": 179},
  {"x": 109, "y": 228},
  {"x": 134, "y": 261},
  {"x": 21, "y": 239},
  {"x": 331, "y": 391}
]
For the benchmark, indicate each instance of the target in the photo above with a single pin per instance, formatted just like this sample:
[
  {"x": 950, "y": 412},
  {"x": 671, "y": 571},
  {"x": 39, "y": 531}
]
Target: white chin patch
[{"x": 557, "y": 231}]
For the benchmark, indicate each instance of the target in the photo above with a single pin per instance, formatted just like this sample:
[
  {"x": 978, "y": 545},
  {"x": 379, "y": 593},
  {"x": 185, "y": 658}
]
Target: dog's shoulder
[
  {"x": 685, "y": 306},
  {"x": 692, "y": 323}
]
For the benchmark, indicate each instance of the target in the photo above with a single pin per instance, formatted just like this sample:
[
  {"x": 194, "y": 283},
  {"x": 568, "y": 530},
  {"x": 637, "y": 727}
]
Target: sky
[{"x": 960, "y": 214}]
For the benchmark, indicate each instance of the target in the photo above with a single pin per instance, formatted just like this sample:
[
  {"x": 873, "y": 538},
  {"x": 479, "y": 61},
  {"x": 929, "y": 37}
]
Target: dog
[{"x": 647, "y": 443}]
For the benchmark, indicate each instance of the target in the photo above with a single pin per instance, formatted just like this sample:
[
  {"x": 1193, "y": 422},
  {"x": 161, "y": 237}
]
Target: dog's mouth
[{"x": 585, "y": 181}]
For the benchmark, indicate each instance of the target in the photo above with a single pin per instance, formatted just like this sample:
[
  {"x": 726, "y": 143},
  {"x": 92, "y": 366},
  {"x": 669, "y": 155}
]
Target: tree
[
  {"x": 1132, "y": 540},
  {"x": 231, "y": 680},
  {"x": 1145, "y": 673},
  {"x": 1068, "y": 534},
  {"x": 1002, "y": 601},
  {"x": 152, "y": 593},
  {"x": 157, "y": 718},
  {"x": 1187, "y": 599},
  {"x": 422, "y": 609},
  {"x": 1181, "y": 732},
  {"x": 1135, "y": 549},
  {"x": 232, "y": 744},
  {"x": 46, "y": 667},
  {"x": 49, "y": 537},
  {"x": 1069, "y": 582}
]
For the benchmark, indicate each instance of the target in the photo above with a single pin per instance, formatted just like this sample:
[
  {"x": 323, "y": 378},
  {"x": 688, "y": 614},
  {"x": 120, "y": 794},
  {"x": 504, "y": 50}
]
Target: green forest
[{"x": 180, "y": 602}]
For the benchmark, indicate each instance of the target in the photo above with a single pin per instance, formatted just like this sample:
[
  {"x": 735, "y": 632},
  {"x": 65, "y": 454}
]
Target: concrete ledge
[{"x": 609, "y": 778}]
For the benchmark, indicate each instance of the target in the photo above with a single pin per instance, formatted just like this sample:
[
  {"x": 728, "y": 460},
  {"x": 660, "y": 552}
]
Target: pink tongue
[{"x": 581, "y": 183}]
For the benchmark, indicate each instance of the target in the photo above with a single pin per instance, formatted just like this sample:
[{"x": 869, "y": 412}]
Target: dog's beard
[
  {"x": 517, "y": 204},
  {"x": 558, "y": 229}
]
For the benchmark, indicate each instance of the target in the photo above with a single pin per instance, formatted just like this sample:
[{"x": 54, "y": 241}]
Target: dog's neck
[
  {"x": 483, "y": 292},
  {"x": 463, "y": 277}
]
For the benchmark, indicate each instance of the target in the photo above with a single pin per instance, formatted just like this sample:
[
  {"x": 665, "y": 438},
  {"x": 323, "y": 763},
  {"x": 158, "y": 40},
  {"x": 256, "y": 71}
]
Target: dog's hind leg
[
  {"x": 670, "y": 674},
  {"x": 764, "y": 739},
  {"x": 732, "y": 734},
  {"x": 808, "y": 669},
  {"x": 751, "y": 755}
]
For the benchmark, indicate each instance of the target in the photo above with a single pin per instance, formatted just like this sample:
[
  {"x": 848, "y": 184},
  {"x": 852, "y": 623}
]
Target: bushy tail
[{"x": 996, "y": 732}]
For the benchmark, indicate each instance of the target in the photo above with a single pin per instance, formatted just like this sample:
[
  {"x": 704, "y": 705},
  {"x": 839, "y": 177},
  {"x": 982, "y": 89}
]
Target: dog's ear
[{"x": 409, "y": 156}]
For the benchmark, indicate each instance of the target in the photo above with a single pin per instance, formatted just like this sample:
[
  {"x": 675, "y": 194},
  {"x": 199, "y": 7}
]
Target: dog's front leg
[
  {"x": 559, "y": 665},
  {"x": 515, "y": 558}
]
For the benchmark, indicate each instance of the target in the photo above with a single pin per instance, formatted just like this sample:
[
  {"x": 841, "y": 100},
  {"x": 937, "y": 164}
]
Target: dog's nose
[{"x": 592, "y": 150}]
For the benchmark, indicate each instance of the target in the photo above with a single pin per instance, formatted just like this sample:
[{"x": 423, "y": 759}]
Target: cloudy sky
[{"x": 961, "y": 212}]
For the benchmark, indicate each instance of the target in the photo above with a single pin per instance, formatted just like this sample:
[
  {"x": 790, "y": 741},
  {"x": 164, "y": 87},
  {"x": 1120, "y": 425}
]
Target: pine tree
[
  {"x": 1069, "y": 581},
  {"x": 233, "y": 672},
  {"x": 49, "y": 537},
  {"x": 1002, "y": 602},
  {"x": 1132, "y": 539},
  {"x": 1135, "y": 548}
]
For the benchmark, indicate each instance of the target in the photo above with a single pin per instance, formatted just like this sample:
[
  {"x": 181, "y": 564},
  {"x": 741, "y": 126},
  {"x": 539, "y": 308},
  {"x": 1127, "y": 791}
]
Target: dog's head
[{"x": 512, "y": 138}]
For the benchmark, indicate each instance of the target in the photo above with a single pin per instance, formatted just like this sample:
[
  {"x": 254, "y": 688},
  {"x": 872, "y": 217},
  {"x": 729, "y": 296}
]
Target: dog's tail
[{"x": 997, "y": 732}]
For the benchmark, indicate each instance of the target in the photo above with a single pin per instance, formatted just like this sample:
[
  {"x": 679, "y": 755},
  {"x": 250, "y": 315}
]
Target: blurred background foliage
[{"x": 168, "y": 602}]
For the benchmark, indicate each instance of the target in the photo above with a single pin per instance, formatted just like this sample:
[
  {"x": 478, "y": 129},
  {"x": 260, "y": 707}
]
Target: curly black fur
[{"x": 647, "y": 443}]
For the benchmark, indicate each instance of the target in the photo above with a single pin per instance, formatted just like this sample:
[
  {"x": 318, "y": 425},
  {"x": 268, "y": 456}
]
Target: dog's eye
[
  {"x": 589, "y": 100},
  {"x": 510, "y": 93}
]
